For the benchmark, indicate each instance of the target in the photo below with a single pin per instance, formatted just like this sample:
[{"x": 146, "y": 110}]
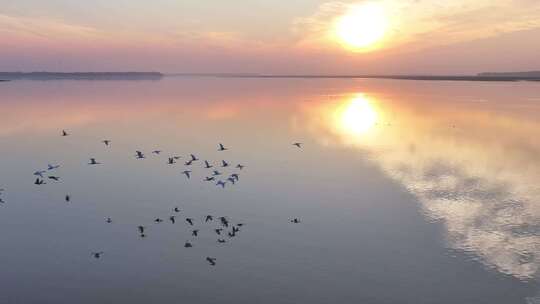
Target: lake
[{"x": 405, "y": 191}]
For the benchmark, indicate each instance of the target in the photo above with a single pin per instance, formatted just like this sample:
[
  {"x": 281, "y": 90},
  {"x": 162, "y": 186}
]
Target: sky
[{"x": 271, "y": 36}]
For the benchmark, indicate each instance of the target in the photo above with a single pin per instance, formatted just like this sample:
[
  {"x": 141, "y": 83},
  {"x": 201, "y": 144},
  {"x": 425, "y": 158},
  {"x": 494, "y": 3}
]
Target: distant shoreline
[
  {"x": 48, "y": 76},
  {"x": 81, "y": 76},
  {"x": 480, "y": 77}
]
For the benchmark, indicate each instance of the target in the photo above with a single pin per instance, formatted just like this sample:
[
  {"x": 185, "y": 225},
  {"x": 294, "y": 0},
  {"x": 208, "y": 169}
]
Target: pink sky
[{"x": 457, "y": 37}]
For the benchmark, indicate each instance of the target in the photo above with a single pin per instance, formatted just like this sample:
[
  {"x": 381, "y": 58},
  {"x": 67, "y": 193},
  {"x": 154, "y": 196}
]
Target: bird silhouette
[
  {"x": 141, "y": 229},
  {"x": 232, "y": 180},
  {"x": 2, "y": 201},
  {"x": 299, "y": 145},
  {"x": 207, "y": 165},
  {"x": 139, "y": 155},
  {"x": 209, "y": 218},
  {"x": 209, "y": 179},
  {"x": 212, "y": 261},
  {"x": 158, "y": 220},
  {"x": 239, "y": 166},
  {"x": 224, "y": 164},
  {"x": 193, "y": 157},
  {"x": 55, "y": 178},
  {"x": 97, "y": 255},
  {"x": 188, "y": 245},
  {"x": 235, "y": 176},
  {"x": 189, "y": 162},
  {"x": 195, "y": 232},
  {"x": 39, "y": 173},
  {"x": 106, "y": 142},
  {"x": 39, "y": 182},
  {"x": 240, "y": 224},
  {"x": 68, "y": 198},
  {"x": 190, "y": 221},
  {"x": 176, "y": 157},
  {"x": 295, "y": 220},
  {"x": 172, "y": 218},
  {"x": 187, "y": 173},
  {"x": 171, "y": 161},
  {"x": 221, "y": 183},
  {"x": 221, "y": 148},
  {"x": 176, "y": 209},
  {"x": 52, "y": 167},
  {"x": 231, "y": 233},
  {"x": 64, "y": 133},
  {"x": 216, "y": 173},
  {"x": 218, "y": 231},
  {"x": 221, "y": 240},
  {"x": 157, "y": 152},
  {"x": 224, "y": 221},
  {"x": 93, "y": 162},
  {"x": 109, "y": 220}
]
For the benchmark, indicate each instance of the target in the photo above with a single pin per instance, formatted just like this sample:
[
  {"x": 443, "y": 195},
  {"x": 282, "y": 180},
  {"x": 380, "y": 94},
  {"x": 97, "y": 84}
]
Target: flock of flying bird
[{"x": 225, "y": 227}]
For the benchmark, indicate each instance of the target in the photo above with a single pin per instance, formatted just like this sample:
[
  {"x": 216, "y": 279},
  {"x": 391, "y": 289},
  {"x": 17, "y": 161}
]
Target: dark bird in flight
[
  {"x": 239, "y": 166},
  {"x": 68, "y": 198},
  {"x": 190, "y": 221},
  {"x": 64, "y": 133},
  {"x": 93, "y": 162},
  {"x": 97, "y": 255},
  {"x": 195, "y": 232},
  {"x": 171, "y": 161},
  {"x": 224, "y": 164},
  {"x": 139, "y": 155},
  {"x": 212, "y": 261},
  {"x": 221, "y": 148},
  {"x": 188, "y": 245},
  {"x": 157, "y": 152},
  {"x": 224, "y": 221},
  {"x": 106, "y": 142},
  {"x": 141, "y": 229},
  {"x": 2, "y": 201},
  {"x": 235, "y": 176},
  {"x": 209, "y": 218},
  {"x": 194, "y": 158},
  {"x": 240, "y": 224},
  {"x": 221, "y": 241},
  {"x": 232, "y": 180},
  {"x": 52, "y": 167},
  {"x": 158, "y": 220},
  {"x": 176, "y": 209},
  {"x": 232, "y": 233},
  {"x": 172, "y": 218},
  {"x": 39, "y": 173},
  {"x": 207, "y": 165},
  {"x": 209, "y": 179},
  {"x": 221, "y": 183},
  {"x": 189, "y": 162},
  {"x": 55, "y": 178},
  {"x": 176, "y": 157},
  {"x": 39, "y": 182},
  {"x": 299, "y": 145},
  {"x": 218, "y": 231},
  {"x": 109, "y": 220},
  {"x": 187, "y": 173},
  {"x": 235, "y": 229},
  {"x": 295, "y": 220},
  {"x": 216, "y": 173}
]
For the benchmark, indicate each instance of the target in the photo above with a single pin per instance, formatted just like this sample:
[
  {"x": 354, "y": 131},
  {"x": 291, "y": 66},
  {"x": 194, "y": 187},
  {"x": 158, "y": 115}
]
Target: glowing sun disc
[{"x": 362, "y": 26}]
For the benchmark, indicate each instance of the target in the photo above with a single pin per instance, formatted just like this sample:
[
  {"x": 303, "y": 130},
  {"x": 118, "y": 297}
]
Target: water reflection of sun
[{"x": 356, "y": 116}]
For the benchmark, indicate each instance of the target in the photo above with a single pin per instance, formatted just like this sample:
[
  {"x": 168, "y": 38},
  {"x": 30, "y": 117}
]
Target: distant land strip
[
  {"x": 519, "y": 76},
  {"x": 81, "y": 76}
]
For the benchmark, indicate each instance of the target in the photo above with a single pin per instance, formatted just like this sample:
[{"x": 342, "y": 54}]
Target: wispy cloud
[{"x": 419, "y": 24}]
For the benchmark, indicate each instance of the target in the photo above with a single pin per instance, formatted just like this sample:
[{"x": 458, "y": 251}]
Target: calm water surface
[{"x": 408, "y": 192}]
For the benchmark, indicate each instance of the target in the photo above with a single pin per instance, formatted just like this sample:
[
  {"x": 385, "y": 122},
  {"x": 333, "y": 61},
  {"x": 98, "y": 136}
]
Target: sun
[
  {"x": 362, "y": 27},
  {"x": 357, "y": 116}
]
